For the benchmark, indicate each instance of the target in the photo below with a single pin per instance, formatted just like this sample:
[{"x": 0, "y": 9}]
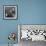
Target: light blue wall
[
  {"x": 7, "y": 26},
  {"x": 29, "y": 12},
  {"x": 33, "y": 12}
]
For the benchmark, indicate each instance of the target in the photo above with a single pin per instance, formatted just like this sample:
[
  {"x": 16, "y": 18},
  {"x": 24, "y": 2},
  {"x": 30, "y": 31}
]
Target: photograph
[
  {"x": 32, "y": 32},
  {"x": 10, "y": 12}
]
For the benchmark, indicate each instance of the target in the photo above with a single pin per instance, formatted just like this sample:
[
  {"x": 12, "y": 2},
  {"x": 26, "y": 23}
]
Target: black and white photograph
[
  {"x": 10, "y": 12},
  {"x": 33, "y": 32},
  {"x": 31, "y": 35}
]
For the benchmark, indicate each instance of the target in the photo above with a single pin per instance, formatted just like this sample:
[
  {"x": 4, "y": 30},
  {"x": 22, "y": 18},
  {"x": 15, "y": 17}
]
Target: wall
[
  {"x": 7, "y": 26},
  {"x": 33, "y": 12}
]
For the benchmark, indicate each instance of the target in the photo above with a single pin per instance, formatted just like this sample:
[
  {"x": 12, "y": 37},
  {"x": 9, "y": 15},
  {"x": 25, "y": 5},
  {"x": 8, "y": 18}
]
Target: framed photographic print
[
  {"x": 32, "y": 32},
  {"x": 10, "y": 12}
]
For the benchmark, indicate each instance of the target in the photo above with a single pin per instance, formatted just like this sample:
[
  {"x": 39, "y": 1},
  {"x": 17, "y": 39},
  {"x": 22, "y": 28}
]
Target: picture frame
[
  {"x": 33, "y": 30},
  {"x": 10, "y": 12}
]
